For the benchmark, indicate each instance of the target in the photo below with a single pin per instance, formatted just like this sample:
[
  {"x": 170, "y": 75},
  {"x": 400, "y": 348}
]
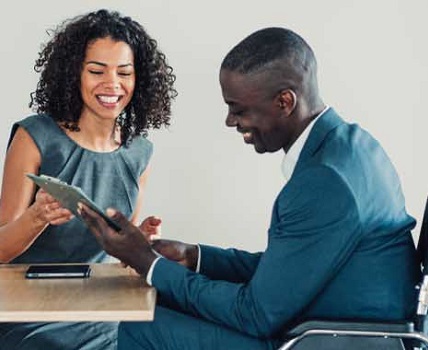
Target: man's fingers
[
  {"x": 94, "y": 221},
  {"x": 119, "y": 219},
  {"x": 170, "y": 249}
]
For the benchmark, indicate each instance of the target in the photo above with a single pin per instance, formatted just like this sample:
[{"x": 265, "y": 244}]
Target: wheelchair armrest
[{"x": 389, "y": 327}]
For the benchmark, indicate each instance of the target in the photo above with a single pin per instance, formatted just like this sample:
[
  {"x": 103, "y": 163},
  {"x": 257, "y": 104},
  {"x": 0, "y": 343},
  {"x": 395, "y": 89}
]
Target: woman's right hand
[{"x": 48, "y": 210}]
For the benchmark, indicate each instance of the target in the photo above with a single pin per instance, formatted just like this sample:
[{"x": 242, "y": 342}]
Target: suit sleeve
[
  {"x": 314, "y": 231},
  {"x": 231, "y": 265}
]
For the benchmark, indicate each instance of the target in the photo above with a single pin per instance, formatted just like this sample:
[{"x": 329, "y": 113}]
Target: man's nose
[{"x": 231, "y": 120}]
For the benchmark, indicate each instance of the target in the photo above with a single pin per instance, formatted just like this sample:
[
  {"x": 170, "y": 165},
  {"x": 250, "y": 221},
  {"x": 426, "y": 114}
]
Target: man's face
[{"x": 255, "y": 114}]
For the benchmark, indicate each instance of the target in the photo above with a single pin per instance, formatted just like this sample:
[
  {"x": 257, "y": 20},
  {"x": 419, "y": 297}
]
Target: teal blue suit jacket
[{"x": 339, "y": 246}]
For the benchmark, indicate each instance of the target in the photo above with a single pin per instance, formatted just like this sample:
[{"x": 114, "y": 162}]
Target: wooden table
[{"x": 111, "y": 293}]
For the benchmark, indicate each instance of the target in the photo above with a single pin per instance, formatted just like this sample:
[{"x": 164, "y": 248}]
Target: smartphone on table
[{"x": 58, "y": 271}]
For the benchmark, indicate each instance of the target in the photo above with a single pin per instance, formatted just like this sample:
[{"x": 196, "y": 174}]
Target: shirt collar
[{"x": 292, "y": 156}]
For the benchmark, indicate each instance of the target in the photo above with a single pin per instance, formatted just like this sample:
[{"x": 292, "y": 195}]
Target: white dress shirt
[{"x": 292, "y": 156}]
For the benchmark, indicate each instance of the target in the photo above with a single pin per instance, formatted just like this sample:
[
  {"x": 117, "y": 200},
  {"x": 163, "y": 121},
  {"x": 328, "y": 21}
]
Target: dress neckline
[{"x": 67, "y": 137}]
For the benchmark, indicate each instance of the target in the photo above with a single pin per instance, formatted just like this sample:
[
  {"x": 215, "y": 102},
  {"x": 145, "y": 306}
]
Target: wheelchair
[{"x": 403, "y": 335}]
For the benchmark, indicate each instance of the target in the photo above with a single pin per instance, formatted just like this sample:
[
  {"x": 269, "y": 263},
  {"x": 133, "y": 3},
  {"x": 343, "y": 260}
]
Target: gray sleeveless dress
[{"x": 111, "y": 180}]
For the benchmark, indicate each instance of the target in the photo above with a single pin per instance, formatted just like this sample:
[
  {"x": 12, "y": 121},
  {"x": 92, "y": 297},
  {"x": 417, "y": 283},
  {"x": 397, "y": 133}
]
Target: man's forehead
[
  {"x": 238, "y": 87},
  {"x": 235, "y": 81}
]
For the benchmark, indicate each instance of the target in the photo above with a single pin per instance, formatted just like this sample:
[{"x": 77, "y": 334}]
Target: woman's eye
[
  {"x": 95, "y": 72},
  {"x": 124, "y": 74}
]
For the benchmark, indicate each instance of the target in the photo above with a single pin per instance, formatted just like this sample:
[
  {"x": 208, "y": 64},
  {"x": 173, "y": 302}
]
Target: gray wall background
[{"x": 206, "y": 184}]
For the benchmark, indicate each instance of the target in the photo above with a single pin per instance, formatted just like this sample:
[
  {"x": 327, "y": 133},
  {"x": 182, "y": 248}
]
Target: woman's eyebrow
[{"x": 105, "y": 65}]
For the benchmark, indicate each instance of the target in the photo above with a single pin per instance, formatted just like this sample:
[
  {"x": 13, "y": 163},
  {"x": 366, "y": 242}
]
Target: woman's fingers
[{"x": 151, "y": 228}]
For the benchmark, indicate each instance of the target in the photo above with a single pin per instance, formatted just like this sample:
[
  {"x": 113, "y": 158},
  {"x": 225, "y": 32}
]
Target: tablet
[
  {"x": 69, "y": 196},
  {"x": 58, "y": 271}
]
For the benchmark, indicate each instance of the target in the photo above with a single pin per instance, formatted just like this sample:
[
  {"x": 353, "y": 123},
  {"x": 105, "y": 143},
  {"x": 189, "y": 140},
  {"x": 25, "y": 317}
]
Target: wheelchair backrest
[{"x": 422, "y": 247}]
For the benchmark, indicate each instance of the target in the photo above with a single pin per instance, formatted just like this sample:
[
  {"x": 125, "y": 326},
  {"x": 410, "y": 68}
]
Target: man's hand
[
  {"x": 182, "y": 253},
  {"x": 128, "y": 245}
]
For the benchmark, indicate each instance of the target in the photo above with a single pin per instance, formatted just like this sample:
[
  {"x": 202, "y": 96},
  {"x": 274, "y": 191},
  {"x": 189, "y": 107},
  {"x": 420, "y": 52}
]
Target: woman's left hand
[{"x": 151, "y": 228}]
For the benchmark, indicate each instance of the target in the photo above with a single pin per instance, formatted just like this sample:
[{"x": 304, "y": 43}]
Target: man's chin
[{"x": 260, "y": 149}]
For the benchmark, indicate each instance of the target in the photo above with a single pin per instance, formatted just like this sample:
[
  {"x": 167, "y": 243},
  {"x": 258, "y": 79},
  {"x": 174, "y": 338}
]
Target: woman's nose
[{"x": 111, "y": 81}]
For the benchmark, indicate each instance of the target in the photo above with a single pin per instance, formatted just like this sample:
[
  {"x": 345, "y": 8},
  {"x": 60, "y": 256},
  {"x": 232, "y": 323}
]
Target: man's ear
[{"x": 287, "y": 101}]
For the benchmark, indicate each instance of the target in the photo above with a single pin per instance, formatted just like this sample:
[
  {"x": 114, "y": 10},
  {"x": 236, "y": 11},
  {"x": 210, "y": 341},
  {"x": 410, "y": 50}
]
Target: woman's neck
[{"x": 99, "y": 135}]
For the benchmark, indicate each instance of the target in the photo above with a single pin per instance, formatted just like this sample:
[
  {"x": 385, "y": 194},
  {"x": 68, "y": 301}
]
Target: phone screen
[{"x": 58, "y": 271}]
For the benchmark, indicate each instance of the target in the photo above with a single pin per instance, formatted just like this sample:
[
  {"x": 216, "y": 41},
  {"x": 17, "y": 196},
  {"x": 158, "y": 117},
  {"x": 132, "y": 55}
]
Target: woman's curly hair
[{"x": 60, "y": 63}]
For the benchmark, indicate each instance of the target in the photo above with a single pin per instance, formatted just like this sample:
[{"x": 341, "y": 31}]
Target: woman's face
[{"x": 107, "y": 79}]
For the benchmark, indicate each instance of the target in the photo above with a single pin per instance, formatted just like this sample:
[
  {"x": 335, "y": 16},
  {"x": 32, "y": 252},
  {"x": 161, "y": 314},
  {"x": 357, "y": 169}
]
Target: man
[{"x": 339, "y": 243}]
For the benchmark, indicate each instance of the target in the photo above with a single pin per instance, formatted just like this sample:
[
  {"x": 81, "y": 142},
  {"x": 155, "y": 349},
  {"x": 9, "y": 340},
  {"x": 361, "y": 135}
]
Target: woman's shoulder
[
  {"x": 140, "y": 144},
  {"x": 137, "y": 154},
  {"x": 36, "y": 120},
  {"x": 41, "y": 128}
]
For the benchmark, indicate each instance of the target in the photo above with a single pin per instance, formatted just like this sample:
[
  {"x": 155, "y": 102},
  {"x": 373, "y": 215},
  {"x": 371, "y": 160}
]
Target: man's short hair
[{"x": 266, "y": 46}]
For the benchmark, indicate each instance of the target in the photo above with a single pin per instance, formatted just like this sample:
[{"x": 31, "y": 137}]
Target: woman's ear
[{"x": 287, "y": 100}]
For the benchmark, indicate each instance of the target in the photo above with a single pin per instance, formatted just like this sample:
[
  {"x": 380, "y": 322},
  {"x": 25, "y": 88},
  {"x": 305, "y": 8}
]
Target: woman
[{"x": 103, "y": 84}]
